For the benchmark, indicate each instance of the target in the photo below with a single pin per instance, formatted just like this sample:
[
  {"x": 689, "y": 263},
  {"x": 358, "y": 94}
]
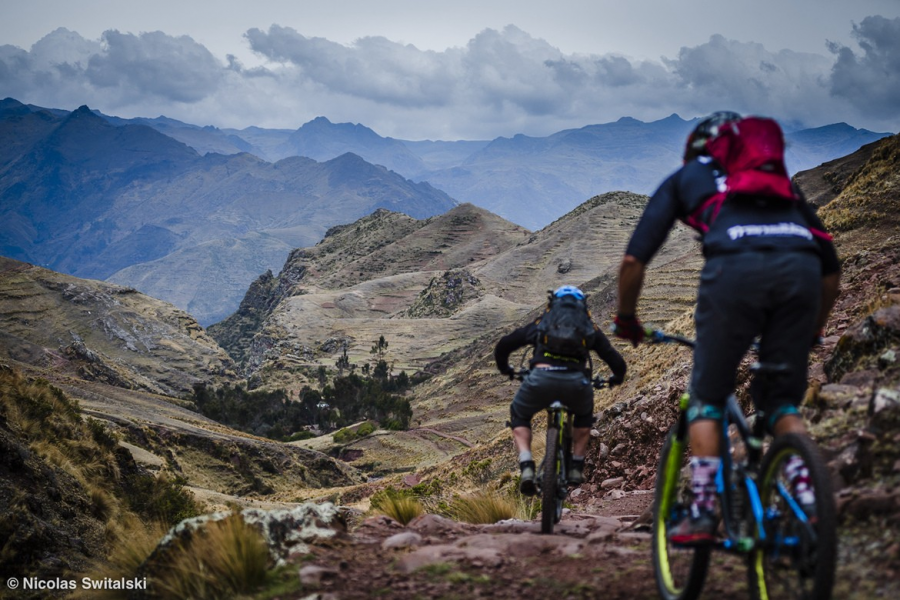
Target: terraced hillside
[{"x": 441, "y": 292}]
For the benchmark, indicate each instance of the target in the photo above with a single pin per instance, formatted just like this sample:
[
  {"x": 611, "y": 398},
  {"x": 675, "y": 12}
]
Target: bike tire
[
  {"x": 680, "y": 572},
  {"x": 550, "y": 501},
  {"x": 806, "y": 570}
]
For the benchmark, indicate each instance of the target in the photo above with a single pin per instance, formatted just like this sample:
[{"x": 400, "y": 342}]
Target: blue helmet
[{"x": 569, "y": 290}]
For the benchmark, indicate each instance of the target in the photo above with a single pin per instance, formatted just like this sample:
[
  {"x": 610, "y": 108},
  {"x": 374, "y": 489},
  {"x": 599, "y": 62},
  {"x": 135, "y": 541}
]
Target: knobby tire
[
  {"x": 549, "y": 481},
  {"x": 805, "y": 571},
  {"x": 680, "y": 572}
]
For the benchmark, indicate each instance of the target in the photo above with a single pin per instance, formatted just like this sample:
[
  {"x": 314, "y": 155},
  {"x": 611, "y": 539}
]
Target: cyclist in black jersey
[
  {"x": 765, "y": 275},
  {"x": 552, "y": 377}
]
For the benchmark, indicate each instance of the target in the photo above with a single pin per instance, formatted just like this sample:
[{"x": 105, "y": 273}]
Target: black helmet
[{"x": 705, "y": 130}]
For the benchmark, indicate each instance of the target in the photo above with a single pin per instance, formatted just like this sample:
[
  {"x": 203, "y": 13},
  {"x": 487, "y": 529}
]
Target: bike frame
[
  {"x": 558, "y": 416},
  {"x": 725, "y": 476}
]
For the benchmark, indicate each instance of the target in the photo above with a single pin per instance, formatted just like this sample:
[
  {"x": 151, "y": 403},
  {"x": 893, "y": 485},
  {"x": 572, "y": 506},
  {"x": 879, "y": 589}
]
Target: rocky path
[{"x": 589, "y": 556}]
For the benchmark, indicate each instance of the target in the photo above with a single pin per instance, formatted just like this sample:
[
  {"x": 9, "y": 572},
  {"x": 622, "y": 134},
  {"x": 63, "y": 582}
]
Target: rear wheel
[
  {"x": 798, "y": 558},
  {"x": 551, "y": 505},
  {"x": 680, "y": 571}
]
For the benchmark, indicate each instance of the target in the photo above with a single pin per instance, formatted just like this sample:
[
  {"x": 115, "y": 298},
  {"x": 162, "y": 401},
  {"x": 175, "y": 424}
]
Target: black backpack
[{"x": 565, "y": 331}]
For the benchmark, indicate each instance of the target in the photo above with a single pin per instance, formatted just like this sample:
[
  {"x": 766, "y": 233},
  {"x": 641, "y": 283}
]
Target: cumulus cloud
[
  {"x": 501, "y": 83},
  {"x": 176, "y": 69},
  {"x": 871, "y": 80}
]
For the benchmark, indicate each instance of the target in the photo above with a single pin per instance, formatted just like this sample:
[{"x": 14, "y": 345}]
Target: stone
[
  {"x": 885, "y": 399},
  {"x": 611, "y": 482},
  {"x": 604, "y": 450},
  {"x": 314, "y": 574},
  {"x": 406, "y": 539}
]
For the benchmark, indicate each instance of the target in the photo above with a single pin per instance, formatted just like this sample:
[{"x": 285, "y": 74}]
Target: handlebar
[
  {"x": 657, "y": 336},
  {"x": 598, "y": 382}
]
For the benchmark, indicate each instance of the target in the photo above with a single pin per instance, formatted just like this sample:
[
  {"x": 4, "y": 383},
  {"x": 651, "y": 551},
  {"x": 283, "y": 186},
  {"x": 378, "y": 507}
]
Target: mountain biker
[
  {"x": 779, "y": 283},
  {"x": 554, "y": 377}
]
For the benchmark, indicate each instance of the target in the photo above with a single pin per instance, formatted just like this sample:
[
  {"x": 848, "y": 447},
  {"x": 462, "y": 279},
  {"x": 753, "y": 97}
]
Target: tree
[
  {"x": 343, "y": 362},
  {"x": 379, "y": 348}
]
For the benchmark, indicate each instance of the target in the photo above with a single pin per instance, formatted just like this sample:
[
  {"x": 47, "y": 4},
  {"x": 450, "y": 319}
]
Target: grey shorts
[{"x": 541, "y": 388}]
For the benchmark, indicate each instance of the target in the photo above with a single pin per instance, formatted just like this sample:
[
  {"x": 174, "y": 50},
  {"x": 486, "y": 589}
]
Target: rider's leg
[
  {"x": 789, "y": 424},
  {"x": 522, "y": 440},
  {"x": 580, "y": 438}
]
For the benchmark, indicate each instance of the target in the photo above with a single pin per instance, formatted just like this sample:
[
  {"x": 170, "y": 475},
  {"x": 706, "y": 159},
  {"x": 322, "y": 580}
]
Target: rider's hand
[
  {"x": 628, "y": 327},
  {"x": 614, "y": 380},
  {"x": 509, "y": 371}
]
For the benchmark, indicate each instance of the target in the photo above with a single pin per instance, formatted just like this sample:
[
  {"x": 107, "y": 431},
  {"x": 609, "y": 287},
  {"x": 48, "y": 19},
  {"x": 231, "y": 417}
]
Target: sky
[{"x": 467, "y": 69}]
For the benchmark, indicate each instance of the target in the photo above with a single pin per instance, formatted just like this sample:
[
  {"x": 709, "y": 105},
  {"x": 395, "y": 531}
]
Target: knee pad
[
  {"x": 698, "y": 410},
  {"x": 782, "y": 411}
]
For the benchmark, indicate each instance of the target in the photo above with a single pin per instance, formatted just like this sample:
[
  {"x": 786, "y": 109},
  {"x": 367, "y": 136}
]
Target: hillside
[
  {"x": 441, "y": 292},
  {"x": 852, "y": 408},
  {"x": 128, "y": 360}
]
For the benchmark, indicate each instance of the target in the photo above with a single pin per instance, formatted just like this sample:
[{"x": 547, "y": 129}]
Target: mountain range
[
  {"x": 192, "y": 215},
  {"x": 129, "y": 204}
]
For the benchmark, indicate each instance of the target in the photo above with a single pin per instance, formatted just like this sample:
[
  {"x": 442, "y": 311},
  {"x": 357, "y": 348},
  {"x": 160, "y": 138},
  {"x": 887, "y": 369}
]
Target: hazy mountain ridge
[
  {"x": 535, "y": 180},
  {"x": 89, "y": 198}
]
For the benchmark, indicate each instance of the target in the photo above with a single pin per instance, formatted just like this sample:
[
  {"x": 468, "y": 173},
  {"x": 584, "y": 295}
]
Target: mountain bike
[
  {"x": 552, "y": 473},
  {"x": 789, "y": 553}
]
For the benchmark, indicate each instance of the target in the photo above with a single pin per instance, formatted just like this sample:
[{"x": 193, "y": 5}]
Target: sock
[
  {"x": 703, "y": 482},
  {"x": 525, "y": 455},
  {"x": 798, "y": 475}
]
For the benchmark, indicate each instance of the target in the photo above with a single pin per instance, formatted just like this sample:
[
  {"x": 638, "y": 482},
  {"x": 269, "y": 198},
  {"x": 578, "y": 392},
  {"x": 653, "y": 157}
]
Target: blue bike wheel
[{"x": 798, "y": 558}]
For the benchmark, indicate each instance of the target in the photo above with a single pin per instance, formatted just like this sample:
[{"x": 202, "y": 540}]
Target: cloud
[
  {"x": 870, "y": 81},
  {"x": 121, "y": 70},
  {"x": 374, "y": 68},
  {"x": 172, "y": 68},
  {"x": 501, "y": 82}
]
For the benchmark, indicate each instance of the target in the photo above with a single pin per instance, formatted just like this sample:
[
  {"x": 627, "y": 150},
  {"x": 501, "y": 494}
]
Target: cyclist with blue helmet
[{"x": 555, "y": 375}]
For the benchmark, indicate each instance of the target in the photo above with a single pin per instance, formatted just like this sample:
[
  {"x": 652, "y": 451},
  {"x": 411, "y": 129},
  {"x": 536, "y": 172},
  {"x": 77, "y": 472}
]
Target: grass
[
  {"x": 484, "y": 507},
  {"x": 402, "y": 509},
  {"x": 134, "y": 543},
  {"x": 225, "y": 559}
]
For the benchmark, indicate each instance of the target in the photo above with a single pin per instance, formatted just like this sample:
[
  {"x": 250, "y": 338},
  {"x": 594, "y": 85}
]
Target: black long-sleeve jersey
[
  {"x": 528, "y": 335},
  {"x": 743, "y": 224}
]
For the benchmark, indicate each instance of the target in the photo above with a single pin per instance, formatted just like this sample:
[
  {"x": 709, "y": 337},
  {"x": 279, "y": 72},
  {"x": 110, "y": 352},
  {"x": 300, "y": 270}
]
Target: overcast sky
[{"x": 467, "y": 69}]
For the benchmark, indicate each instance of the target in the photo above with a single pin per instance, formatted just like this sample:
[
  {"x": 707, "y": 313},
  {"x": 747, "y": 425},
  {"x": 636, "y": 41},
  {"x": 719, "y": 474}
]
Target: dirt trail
[{"x": 590, "y": 555}]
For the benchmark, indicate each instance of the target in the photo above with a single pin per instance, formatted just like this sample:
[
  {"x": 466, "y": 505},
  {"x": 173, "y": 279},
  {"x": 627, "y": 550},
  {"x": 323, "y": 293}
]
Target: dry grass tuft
[
  {"x": 484, "y": 507},
  {"x": 226, "y": 559},
  {"x": 134, "y": 541},
  {"x": 402, "y": 509}
]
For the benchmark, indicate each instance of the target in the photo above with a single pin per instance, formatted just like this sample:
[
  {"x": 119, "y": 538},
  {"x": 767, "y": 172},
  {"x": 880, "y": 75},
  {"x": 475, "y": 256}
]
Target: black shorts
[
  {"x": 775, "y": 295},
  {"x": 541, "y": 388}
]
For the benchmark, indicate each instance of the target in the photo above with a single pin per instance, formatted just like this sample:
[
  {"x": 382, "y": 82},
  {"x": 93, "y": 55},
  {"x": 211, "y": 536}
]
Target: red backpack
[{"x": 751, "y": 151}]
